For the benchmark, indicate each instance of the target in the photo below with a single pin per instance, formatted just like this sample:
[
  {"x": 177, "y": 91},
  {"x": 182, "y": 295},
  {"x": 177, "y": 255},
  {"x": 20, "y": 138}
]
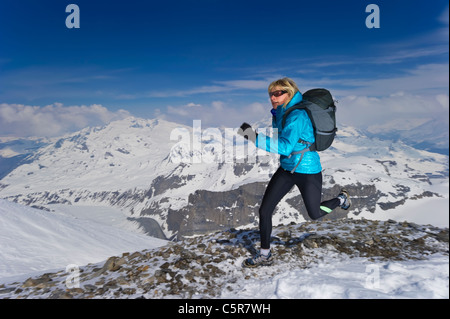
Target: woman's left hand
[{"x": 247, "y": 132}]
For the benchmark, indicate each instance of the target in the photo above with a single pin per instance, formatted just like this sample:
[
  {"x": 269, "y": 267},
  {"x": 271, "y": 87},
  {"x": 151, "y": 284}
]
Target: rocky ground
[{"x": 206, "y": 266}]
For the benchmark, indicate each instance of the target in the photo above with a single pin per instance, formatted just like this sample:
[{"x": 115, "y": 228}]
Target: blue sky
[{"x": 213, "y": 59}]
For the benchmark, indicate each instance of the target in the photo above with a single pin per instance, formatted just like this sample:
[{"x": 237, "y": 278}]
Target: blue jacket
[{"x": 298, "y": 126}]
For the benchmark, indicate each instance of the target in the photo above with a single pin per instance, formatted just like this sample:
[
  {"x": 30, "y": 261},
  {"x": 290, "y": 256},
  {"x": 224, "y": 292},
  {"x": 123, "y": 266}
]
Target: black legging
[{"x": 310, "y": 186}]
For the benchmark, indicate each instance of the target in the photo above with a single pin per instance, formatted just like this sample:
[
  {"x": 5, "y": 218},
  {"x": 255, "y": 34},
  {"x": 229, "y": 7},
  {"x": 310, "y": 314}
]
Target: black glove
[{"x": 247, "y": 132}]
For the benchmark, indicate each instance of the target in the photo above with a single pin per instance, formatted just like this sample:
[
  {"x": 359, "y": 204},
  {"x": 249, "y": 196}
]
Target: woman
[{"x": 306, "y": 167}]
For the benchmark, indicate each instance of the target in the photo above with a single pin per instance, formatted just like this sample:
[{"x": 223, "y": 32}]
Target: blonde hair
[{"x": 285, "y": 84}]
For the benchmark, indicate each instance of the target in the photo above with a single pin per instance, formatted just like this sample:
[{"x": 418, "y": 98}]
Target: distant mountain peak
[{"x": 164, "y": 170}]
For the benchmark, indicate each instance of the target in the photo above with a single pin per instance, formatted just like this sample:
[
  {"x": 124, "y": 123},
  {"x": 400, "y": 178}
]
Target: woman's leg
[
  {"x": 280, "y": 184},
  {"x": 310, "y": 186}
]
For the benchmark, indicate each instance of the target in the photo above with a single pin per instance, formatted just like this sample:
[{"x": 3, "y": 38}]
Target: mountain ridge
[{"x": 151, "y": 168}]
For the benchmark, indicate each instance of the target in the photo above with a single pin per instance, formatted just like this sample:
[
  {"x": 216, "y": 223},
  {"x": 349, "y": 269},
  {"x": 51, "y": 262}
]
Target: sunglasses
[{"x": 277, "y": 93}]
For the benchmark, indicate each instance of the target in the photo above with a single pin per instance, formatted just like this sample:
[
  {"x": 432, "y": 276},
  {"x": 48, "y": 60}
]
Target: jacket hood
[{"x": 297, "y": 98}]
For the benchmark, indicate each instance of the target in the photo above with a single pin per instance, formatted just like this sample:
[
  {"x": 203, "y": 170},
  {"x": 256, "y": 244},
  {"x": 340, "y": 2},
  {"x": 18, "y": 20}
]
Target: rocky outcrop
[
  {"x": 209, "y": 211},
  {"x": 204, "y": 266}
]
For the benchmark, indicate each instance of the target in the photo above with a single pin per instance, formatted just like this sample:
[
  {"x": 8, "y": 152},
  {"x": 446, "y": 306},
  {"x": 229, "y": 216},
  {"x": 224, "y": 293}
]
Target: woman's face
[{"x": 278, "y": 100}]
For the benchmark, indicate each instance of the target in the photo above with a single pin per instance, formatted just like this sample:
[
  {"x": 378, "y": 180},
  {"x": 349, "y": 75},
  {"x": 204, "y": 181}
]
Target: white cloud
[
  {"x": 246, "y": 84},
  {"x": 216, "y": 114},
  {"x": 52, "y": 120},
  {"x": 444, "y": 17},
  {"x": 216, "y": 87},
  {"x": 424, "y": 79},
  {"x": 412, "y": 96},
  {"x": 206, "y": 89},
  {"x": 192, "y": 105},
  {"x": 397, "y": 111}
]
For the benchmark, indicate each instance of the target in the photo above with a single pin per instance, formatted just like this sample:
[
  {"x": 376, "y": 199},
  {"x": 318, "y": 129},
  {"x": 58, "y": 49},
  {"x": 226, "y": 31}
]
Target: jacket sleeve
[{"x": 283, "y": 143}]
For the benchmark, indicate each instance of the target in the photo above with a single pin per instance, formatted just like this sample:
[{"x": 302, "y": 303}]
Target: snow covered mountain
[
  {"x": 345, "y": 259},
  {"x": 13, "y": 151},
  {"x": 194, "y": 180},
  {"x": 425, "y": 134},
  {"x": 33, "y": 240}
]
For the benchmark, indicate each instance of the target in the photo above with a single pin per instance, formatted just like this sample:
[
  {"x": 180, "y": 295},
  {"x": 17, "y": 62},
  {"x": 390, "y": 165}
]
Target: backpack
[{"x": 319, "y": 105}]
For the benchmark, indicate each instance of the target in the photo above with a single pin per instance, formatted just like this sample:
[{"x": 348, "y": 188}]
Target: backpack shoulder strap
[{"x": 298, "y": 106}]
